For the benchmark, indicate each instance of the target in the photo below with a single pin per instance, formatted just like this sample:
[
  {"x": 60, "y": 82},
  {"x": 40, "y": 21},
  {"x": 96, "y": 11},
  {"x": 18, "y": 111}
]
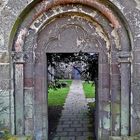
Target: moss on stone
[
  {"x": 8, "y": 136},
  {"x": 20, "y": 138}
]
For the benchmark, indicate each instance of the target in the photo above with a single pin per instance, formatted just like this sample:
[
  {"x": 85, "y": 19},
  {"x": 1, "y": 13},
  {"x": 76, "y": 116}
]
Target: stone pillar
[
  {"x": 40, "y": 97},
  {"x": 96, "y": 108},
  {"x": 18, "y": 93},
  {"x": 115, "y": 90},
  {"x": 125, "y": 69},
  {"x": 104, "y": 101}
]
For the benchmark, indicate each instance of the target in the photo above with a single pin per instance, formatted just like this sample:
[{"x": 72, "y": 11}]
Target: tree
[{"x": 90, "y": 60}]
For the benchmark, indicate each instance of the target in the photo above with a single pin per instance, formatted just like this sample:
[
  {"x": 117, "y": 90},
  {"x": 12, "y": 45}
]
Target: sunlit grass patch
[
  {"x": 89, "y": 89},
  {"x": 56, "y": 97}
]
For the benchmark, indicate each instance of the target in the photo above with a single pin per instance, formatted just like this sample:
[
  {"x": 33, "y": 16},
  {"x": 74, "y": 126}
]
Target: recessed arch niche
[{"x": 71, "y": 26}]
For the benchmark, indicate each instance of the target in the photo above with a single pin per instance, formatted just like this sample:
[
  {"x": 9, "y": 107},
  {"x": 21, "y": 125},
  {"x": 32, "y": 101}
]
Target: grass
[
  {"x": 56, "y": 97},
  {"x": 67, "y": 81},
  {"x": 89, "y": 89}
]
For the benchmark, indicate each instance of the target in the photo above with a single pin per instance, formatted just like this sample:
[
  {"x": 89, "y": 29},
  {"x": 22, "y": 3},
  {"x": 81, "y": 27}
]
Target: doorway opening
[{"x": 72, "y": 80}]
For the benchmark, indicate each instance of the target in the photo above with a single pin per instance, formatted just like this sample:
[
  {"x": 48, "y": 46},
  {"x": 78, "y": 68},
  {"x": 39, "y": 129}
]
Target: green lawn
[
  {"x": 57, "y": 97},
  {"x": 89, "y": 89},
  {"x": 67, "y": 80}
]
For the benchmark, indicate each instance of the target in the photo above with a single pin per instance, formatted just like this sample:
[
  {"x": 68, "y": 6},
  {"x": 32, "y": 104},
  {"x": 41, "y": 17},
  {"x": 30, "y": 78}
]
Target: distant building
[{"x": 71, "y": 70}]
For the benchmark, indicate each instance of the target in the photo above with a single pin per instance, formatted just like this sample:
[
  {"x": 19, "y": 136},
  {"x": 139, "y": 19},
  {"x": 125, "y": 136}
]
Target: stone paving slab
[
  {"x": 90, "y": 100},
  {"x": 74, "y": 122}
]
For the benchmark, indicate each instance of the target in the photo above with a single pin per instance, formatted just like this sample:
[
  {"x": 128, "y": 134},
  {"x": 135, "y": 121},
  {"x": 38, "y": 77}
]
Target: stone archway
[{"x": 72, "y": 26}]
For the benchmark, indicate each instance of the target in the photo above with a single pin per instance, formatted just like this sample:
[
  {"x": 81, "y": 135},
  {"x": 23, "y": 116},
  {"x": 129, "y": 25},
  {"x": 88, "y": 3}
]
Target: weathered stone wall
[
  {"x": 131, "y": 11},
  {"x": 9, "y": 12}
]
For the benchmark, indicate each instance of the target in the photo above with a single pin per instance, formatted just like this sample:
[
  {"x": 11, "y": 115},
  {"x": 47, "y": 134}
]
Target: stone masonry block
[
  {"x": 115, "y": 138},
  {"x": 4, "y": 84},
  {"x": 62, "y": 134},
  {"x": 4, "y": 109},
  {"x": 124, "y": 138},
  {"x": 67, "y": 138},
  {"x": 4, "y": 71},
  {"x": 137, "y": 56},
  {"x": 69, "y": 129},
  {"x": 136, "y": 72},
  {"x": 75, "y": 134},
  {"x": 4, "y": 57}
]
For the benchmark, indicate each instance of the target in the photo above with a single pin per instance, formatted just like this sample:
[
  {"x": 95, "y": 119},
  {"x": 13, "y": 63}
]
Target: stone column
[
  {"x": 104, "y": 100},
  {"x": 18, "y": 93},
  {"x": 125, "y": 70},
  {"x": 40, "y": 97}
]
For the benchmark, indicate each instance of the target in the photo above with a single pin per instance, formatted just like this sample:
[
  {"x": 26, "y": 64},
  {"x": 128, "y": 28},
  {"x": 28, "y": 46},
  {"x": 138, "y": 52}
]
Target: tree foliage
[{"x": 90, "y": 60}]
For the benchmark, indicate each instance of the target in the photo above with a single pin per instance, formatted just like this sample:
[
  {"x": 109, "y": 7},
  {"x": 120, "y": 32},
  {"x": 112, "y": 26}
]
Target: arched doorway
[{"x": 87, "y": 26}]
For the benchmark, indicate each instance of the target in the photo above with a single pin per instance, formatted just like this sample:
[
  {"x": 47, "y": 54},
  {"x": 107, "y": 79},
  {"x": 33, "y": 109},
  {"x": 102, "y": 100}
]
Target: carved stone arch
[{"x": 105, "y": 29}]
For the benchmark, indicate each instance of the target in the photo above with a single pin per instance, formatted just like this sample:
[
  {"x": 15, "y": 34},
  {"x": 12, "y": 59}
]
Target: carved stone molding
[
  {"x": 102, "y": 37},
  {"x": 19, "y": 57},
  {"x": 124, "y": 57}
]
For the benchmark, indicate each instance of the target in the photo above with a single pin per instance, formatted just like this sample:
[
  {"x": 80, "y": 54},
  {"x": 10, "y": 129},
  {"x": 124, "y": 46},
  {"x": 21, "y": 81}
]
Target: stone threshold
[{"x": 137, "y": 137}]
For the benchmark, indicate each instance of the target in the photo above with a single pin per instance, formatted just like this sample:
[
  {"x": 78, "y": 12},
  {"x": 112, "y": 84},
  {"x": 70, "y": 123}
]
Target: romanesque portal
[{"x": 68, "y": 27}]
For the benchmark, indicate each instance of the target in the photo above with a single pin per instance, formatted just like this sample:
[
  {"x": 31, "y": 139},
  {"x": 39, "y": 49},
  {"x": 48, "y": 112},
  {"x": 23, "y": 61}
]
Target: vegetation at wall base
[{"x": 8, "y": 136}]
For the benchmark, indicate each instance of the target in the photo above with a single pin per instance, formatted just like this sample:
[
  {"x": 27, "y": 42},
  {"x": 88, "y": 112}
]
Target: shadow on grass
[
  {"x": 54, "y": 116},
  {"x": 56, "y": 100},
  {"x": 91, "y": 115}
]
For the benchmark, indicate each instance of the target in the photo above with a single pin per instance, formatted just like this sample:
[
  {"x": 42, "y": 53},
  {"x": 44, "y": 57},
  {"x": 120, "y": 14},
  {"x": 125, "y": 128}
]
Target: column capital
[
  {"x": 124, "y": 57},
  {"x": 18, "y": 57}
]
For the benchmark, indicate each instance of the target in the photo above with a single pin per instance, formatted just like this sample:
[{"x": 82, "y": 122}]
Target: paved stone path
[
  {"x": 90, "y": 100},
  {"x": 74, "y": 122}
]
